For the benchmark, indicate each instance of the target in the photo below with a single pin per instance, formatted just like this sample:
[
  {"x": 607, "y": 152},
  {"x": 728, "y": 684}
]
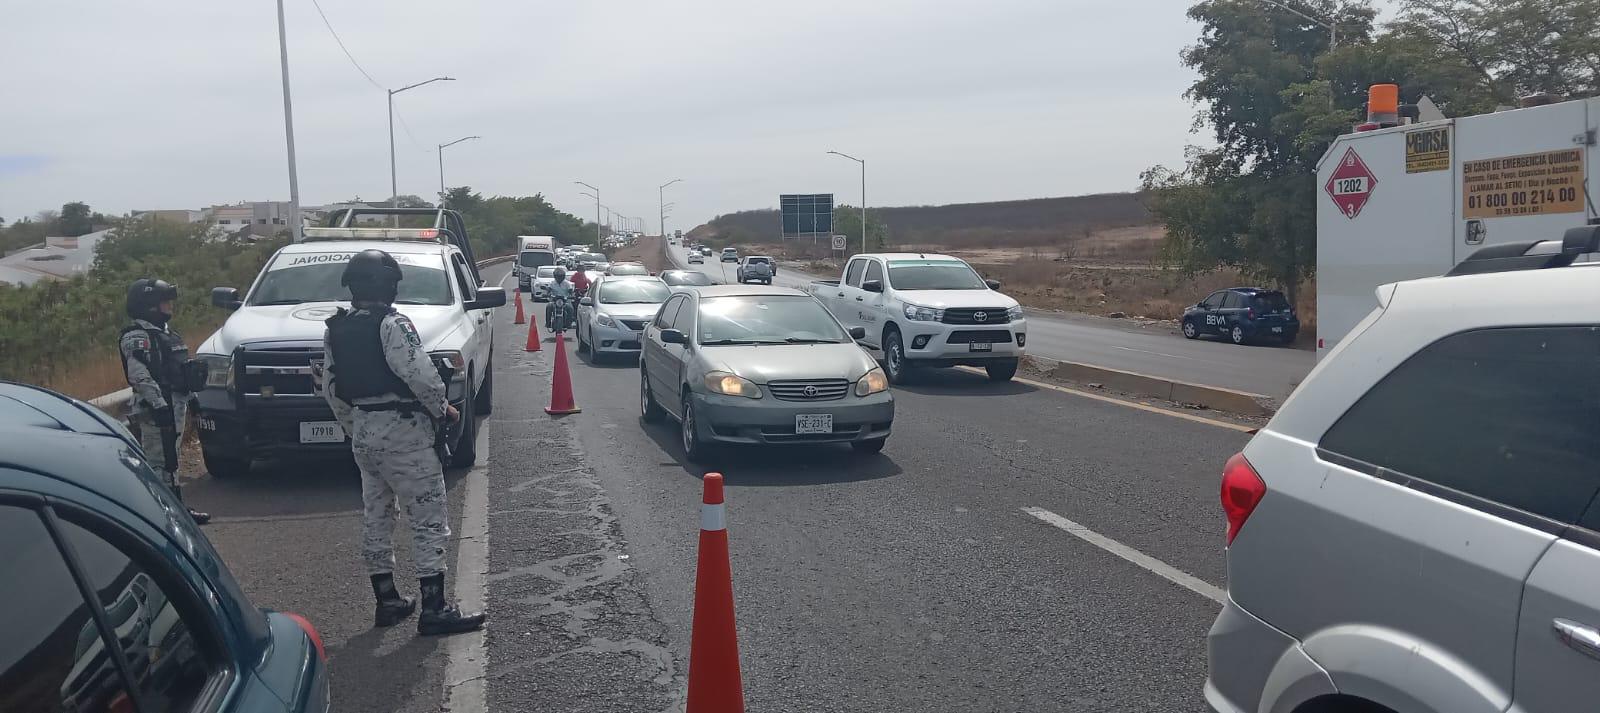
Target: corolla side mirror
[
  {"x": 858, "y": 333},
  {"x": 872, "y": 285},
  {"x": 993, "y": 284},
  {"x": 486, "y": 298},
  {"x": 673, "y": 336},
  {"x": 226, "y": 298}
]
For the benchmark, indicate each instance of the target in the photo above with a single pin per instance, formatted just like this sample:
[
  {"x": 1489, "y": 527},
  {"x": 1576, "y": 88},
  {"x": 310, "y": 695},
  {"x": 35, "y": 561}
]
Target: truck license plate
[
  {"x": 813, "y": 423},
  {"x": 321, "y": 432},
  {"x": 980, "y": 347},
  {"x": 1277, "y": 330}
]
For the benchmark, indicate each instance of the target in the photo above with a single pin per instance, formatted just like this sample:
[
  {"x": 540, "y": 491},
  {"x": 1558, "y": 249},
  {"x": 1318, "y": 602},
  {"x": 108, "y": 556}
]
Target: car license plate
[
  {"x": 980, "y": 347},
  {"x": 813, "y": 423},
  {"x": 1277, "y": 330},
  {"x": 321, "y": 432}
]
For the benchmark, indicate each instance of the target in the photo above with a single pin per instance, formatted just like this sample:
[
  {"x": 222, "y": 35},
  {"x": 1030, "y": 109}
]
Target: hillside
[{"x": 1038, "y": 221}]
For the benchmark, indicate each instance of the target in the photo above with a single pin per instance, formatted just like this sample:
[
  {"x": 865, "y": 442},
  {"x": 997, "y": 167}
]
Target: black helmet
[
  {"x": 372, "y": 275},
  {"x": 145, "y": 296}
]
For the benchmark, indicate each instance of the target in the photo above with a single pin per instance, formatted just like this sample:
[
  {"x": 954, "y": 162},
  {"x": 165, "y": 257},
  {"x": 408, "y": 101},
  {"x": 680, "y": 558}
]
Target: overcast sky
[{"x": 178, "y": 104}]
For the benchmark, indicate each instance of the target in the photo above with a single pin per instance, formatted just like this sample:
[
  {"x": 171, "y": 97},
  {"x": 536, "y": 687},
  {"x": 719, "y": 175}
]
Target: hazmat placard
[
  {"x": 1527, "y": 184},
  {"x": 1428, "y": 150}
]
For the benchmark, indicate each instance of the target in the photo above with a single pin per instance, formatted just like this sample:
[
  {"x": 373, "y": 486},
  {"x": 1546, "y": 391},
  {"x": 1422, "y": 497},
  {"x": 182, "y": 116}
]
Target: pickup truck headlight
[
  {"x": 1015, "y": 313},
  {"x": 721, "y": 382},
  {"x": 219, "y": 370},
  {"x": 453, "y": 361},
  {"x": 873, "y": 382},
  {"x": 918, "y": 313},
  {"x": 606, "y": 321}
]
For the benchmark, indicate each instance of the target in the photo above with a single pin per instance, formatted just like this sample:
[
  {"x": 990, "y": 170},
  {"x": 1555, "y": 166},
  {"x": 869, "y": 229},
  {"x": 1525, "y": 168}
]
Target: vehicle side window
[
  {"x": 669, "y": 312},
  {"x": 1507, "y": 415},
  {"x": 1231, "y": 300},
  {"x": 852, "y": 275},
  {"x": 874, "y": 271},
  {"x": 1214, "y": 301},
  {"x": 469, "y": 290},
  {"x": 52, "y": 656}
]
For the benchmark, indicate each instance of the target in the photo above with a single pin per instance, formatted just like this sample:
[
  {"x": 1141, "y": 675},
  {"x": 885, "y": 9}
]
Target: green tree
[
  {"x": 76, "y": 219},
  {"x": 847, "y": 221}
]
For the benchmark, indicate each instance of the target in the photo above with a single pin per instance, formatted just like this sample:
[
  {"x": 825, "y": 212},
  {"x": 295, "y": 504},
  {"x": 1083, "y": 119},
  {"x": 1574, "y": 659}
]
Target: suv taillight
[{"x": 1242, "y": 490}]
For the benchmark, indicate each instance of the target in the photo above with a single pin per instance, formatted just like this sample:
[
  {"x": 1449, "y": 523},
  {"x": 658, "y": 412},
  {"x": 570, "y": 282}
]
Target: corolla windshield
[{"x": 767, "y": 319}]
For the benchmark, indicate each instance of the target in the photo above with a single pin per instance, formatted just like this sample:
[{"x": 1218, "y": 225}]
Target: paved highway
[
  {"x": 939, "y": 575},
  {"x": 1121, "y": 344}
]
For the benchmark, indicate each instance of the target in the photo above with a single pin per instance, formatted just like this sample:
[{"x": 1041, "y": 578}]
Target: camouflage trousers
[
  {"x": 416, "y": 479},
  {"x": 150, "y": 439}
]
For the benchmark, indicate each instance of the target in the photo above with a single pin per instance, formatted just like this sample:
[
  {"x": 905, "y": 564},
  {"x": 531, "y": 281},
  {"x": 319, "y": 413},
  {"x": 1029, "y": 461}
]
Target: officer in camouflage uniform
[
  {"x": 153, "y": 358},
  {"x": 388, "y": 395}
]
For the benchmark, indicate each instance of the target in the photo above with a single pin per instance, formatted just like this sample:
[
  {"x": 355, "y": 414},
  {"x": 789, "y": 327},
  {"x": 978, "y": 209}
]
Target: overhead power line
[{"x": 340, "y": 42}]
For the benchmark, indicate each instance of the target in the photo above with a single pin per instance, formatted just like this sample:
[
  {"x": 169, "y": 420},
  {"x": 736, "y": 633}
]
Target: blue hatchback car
[
  {"x": 1243, "y": 314},
  {"x": 115, "y": 601}
]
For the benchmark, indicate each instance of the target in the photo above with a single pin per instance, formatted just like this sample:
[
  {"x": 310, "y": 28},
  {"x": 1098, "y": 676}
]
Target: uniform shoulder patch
[
  {"x": 408, "y": 329},
  {"x": 136, "y": 341}
]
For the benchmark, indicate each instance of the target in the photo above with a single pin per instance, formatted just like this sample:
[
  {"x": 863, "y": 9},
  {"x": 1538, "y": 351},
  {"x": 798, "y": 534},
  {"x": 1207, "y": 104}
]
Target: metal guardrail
[{"x": 116, "y": 402}]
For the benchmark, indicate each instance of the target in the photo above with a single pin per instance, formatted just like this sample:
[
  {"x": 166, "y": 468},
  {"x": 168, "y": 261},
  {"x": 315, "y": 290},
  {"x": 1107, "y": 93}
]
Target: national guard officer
[
  {"x": 388, "y": 395},
  {"x": 153, "y": 357}
]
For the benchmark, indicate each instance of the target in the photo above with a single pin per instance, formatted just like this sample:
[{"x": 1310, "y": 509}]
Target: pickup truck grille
[
  {"x": 283, "y": 370},
  {"x": 968, "y": 336},
  {"x": 809, "y": 389},
  {"x": 969, "y": 315}
]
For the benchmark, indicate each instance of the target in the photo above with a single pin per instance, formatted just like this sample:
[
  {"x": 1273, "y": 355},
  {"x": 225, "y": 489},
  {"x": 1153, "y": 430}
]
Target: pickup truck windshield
[
  {"x": 933, "y": 275},
  {"x": 767, "y": 319},
  {"x": 287, "y": 283},
  {"x": 631, "y": 292}
]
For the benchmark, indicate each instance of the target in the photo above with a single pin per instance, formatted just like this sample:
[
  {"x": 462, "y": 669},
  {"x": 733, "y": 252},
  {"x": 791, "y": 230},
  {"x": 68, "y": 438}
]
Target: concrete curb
[{"x": 1183, "y": 392}]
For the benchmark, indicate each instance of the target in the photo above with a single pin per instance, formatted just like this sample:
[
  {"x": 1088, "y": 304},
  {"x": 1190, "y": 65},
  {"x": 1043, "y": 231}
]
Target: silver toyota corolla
[{"x": 760, "y": 364}]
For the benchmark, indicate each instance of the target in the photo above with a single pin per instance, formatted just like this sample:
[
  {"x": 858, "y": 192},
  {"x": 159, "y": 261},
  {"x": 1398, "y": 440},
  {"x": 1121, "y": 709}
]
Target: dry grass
[{"x": 100, "y": 373}]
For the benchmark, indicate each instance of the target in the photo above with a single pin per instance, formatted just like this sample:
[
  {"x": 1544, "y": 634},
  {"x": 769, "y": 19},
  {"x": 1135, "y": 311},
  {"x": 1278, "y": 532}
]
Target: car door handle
[
  {"x": 1581, "y": 637},
  {"x": 858, "y": 299},
  {"x": 841, "y": 294}
]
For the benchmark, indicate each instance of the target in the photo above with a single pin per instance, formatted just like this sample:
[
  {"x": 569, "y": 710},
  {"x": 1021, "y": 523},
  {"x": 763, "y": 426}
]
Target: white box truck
[
  {"x": 533, "y": 252},
  {"x": 1413, "y": 200}
]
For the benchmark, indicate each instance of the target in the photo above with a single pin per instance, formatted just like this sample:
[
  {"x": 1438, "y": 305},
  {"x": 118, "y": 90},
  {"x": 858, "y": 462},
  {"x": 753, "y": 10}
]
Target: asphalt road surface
[
  {"x": 939, "y": 575},
  {"x": 1121, "y": 344}
]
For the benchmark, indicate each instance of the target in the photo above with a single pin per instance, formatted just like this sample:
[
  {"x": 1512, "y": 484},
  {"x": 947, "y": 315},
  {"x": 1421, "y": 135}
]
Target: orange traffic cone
[
  {"x": 520, "y": 316},
  {"x": 561, "y": 402},
  {"x": 714, "y": 682},
  {"x": 533, "y": 334}
]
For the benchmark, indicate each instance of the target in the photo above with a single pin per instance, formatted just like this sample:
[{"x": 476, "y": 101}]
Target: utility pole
[
  {"x": 863, "y": 196},
  {"x": 442, "y": 147},
  {"x": 596, "y": 211},
  {"x": 295, "y": 228},
  {"x": 661, "y": 200},
  {"x": 394, "y": 182}
]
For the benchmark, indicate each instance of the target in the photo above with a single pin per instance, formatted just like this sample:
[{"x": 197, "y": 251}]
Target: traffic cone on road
[
  {"x": 520, "y": 316},
  {"x": 561, "y": 402},
  {"x": 714, "y": 681},
  {"x": 533, "y": 334}
]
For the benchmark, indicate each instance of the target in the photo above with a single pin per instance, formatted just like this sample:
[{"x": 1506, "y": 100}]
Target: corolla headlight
[
  {"x": 872, "y": 382},
  {"x": 722, "y": 382},
  {"x": 606, "y": 321},
  {"x": 219, "y": 370},
  {"x": 1015, "y": 313},
  {"x": 919, "y": 313}
]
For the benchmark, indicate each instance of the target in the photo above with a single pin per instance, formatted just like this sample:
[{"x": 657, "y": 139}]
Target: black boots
[
  {"x": 392, "y": 608},
  {"x": 200, "y": 518},
  {"x": 441, "y": 617}
]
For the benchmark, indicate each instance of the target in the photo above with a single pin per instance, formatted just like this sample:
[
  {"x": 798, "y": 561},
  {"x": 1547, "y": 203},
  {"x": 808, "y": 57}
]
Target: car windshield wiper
[
  {"x": 725, "y": 342},
  {"x": 808, "y": 340},
  {"x": 276, "y": 303}
]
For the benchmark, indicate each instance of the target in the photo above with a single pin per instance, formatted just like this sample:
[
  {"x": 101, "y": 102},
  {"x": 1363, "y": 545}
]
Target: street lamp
[
  {"x": 442, "y": 147},
  {"x": 661, "y": 199},
  {"x": 394, "y": 183},
  {"x": 295, "y": 227},
  {"x": 1331, "y": 26},
  {"x": 596, "y": 210},
  {"x": 863, "y": 196}
]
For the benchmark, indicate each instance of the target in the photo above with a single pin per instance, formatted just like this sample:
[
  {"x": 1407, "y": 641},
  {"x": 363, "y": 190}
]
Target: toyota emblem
[
  {"x": 810, "y": 392},
  {"x": 980, "y": 316}
]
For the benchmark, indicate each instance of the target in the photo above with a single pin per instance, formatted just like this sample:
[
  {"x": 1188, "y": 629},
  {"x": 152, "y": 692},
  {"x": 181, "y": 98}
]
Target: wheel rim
[
  {"x": 1188, "y": 329},
  {"x": 644, "y": 392},
  {"x": 894, "y": 355},
  {"x": 688, "y": 427},
  {"x": 1238, "y": 334}
]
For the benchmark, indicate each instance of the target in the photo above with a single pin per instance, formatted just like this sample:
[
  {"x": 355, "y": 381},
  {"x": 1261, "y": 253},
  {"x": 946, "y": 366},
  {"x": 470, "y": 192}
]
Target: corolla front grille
[{"x": 809, "y": 389}]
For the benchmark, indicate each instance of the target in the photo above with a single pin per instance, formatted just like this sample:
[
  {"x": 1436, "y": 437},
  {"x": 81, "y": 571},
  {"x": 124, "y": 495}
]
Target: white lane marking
[
  {"x": 507, "y": 277},
  {"x": 466, "y": 656},
  {"x": 1120, "y": 402},
  {"x": 1150, "y": 564},
  {"x": 1146, "y": 351}
]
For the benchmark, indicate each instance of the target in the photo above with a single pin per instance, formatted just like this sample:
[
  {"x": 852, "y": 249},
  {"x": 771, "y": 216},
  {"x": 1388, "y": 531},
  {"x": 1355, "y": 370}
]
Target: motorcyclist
[
  {"x": 580, "y": 283},
  {"x": 562, "y": 294}
]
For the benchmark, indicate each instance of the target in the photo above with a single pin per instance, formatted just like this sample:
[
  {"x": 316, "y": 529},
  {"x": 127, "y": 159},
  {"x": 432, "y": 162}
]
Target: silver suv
[{"x": 1417, "y": 528}]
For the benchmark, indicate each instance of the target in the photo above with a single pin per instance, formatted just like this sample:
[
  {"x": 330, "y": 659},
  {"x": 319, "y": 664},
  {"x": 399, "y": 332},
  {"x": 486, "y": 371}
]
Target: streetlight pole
[
  {"x": 596, "y": 211},
  {"x": 295, "y": 228},
  {"x": 863, "y": 196},
  {"x": 442, "y": 147},
  {"x": 661, "y": 200},
  {"x": 394, "y": 182}
]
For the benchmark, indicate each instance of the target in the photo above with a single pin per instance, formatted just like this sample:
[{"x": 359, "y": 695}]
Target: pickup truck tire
[
  {"x": 466, "y": 450},
  {"x": 483, "y": 404},
  {"x": 895, "y": 365},
  {"x": 1001, "y": 369},
  {"x": 223, "y": 467},
  {"x": 869, "y": 447},
  {"x": 649, "y": 410}
]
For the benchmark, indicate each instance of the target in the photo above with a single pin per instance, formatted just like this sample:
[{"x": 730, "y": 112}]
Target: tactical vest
[
  {"x": 165, "y": 360},
  {"x": 359, "y": 367}
]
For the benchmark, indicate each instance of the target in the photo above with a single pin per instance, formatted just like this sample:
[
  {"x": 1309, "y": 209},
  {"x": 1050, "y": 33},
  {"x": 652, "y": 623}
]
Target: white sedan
[{"x": 612, "y": 316}]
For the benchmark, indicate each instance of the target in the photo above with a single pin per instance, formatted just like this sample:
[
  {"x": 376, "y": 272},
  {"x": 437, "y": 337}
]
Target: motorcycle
[{"x": 558, "y": 317}]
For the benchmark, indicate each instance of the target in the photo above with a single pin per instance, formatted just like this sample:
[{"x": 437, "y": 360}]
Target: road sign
[
  {"x": 839, "y": 241},
  {"x": 806, "y": 214},
  {"x": 1351, "y": 184}
]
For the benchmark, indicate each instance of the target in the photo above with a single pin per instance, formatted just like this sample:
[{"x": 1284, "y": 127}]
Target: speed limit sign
[{"x": 839, "y": 242}]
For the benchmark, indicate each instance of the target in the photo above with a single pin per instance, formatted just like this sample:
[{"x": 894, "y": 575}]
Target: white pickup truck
[
  {"x": 262, "y": 397},
  {"x": 925, "y": 310}
]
